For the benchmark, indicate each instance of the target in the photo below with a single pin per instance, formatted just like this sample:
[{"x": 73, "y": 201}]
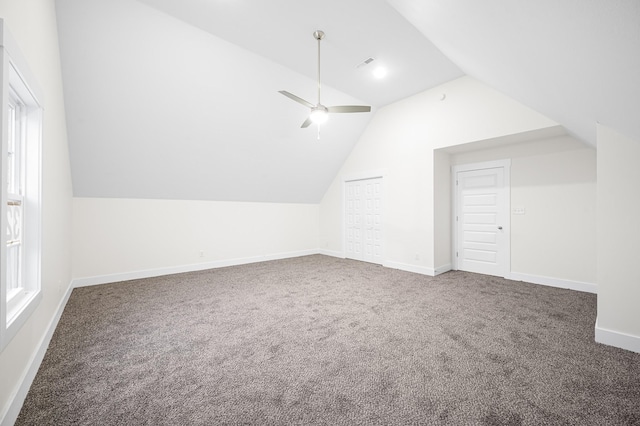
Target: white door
[
  {"x": 363, "y": 220},
  {"x": 482, "y": 221}
]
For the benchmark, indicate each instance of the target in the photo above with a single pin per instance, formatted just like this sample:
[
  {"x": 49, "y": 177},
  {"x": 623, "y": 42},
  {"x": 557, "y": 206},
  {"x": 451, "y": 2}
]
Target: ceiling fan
[{"x": 320, "y": 113}]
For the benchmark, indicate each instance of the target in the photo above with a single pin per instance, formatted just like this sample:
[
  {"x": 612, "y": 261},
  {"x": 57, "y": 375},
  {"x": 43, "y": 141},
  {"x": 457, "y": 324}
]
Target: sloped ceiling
[
  {"x": 178, "y": 99},
  {"x": 576, "y": 61}
]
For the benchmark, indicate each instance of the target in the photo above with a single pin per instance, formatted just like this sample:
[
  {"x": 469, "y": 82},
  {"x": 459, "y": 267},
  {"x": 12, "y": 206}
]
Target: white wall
[
  {"x": 618, "y": 235},
  {"x": 554, "y": 180},
  {"x": 401, "y": 140},
  {"x": 122, "y": 238},
  {"x": 442, "y": 213},
  {"x": 33, "y": 26}
]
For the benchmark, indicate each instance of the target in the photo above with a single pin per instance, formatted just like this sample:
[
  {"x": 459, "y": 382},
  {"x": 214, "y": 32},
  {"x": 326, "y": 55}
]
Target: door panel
[
  {"x": 363, "y": 234},
  {"x": 481, "y": 214}
]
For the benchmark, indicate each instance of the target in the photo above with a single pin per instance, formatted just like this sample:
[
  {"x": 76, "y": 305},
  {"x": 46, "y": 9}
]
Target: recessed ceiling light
[{"x": 379, "y": 72}]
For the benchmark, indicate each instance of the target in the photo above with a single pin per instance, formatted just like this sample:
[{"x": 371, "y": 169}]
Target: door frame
[
  {"x": 366, "y": 175},
  {"x": 506, "y": 165}
]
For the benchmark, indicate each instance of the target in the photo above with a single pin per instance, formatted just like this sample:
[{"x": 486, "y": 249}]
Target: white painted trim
[
  {"x": 332, "y": 253},
  {"x": 555, "y": 282},
  {"x": 442, "y": 269},
  {"x": 149, "y": 273},
  {"x": 482, "y": 165},
  {"x": 506, "y": 165},
  {"x": 617, "y": 339},
  {"x": 9, "y": 43},
  {"x": 16, "y": 399},
  {"x": 15, "y": 73},
  {"x": 423, "y": 270}
]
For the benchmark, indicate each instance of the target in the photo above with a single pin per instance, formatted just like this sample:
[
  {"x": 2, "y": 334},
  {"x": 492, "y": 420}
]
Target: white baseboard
[
  {"x": 617, "y": 339},
  {"x": 17, "y": 398},
  {"x": 149, "y": 273},
  {"x": 554, "y": 282},
  {"x": 424, "y": 270},
  {"x": 331, "y": 253},
  {"x": 442, "y": 269},
  {"x": 411, "y": 268}
]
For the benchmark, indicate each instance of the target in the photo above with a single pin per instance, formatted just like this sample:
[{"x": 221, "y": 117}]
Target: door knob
[{"x": 500, "y": 227}]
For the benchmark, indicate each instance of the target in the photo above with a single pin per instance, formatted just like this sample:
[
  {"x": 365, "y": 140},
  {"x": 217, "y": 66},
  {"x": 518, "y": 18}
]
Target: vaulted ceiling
[
  {"x": 178, "y": 98},
  {"x": 576, "y": 61}
]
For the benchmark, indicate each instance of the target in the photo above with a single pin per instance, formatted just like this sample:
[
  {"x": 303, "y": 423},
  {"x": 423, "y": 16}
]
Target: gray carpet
[{"x": 323, "y": 341}]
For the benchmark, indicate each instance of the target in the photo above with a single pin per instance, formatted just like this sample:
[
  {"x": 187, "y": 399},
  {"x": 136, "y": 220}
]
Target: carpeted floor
[{"x": 318, "y": 340}]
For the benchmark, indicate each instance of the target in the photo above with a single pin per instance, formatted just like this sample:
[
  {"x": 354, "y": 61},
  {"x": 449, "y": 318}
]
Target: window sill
[
  {"x": 19, "y": 309},
  {"x": 17, "y": 300}
]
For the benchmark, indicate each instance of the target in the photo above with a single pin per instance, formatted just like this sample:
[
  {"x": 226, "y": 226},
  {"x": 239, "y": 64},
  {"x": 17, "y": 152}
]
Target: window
[
  {"x": 15, "y": 149},
  {"x": 21, "y": 201}
]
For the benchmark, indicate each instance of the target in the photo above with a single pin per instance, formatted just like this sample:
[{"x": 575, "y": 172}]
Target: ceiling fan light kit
[{"x": 320, "y": 113}]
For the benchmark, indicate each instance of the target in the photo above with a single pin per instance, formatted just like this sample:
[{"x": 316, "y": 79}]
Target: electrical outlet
[{"x": 201, "y": 253}]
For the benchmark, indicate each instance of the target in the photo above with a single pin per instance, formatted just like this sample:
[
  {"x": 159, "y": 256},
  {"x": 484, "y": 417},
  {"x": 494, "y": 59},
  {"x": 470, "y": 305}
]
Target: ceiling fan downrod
[
  {"x": 318, "y": 113},
  {"x": 318, "y": 35}
]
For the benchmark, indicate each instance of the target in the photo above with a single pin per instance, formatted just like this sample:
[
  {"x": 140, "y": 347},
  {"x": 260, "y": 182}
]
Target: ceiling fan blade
[
  {"x": 306, "y": 123},
  {"x": 349, "y": 108},
  {"x": 296, "y": 98}
]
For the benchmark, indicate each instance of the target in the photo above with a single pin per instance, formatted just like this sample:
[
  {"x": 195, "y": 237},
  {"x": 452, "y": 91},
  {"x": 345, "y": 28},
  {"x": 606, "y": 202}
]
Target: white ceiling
[
  {"x": 281, "y": 30},
  {"x": 576, "y": 61},
  {"x": 186, "y": 106},
  {"x": 178, "y": 98}
]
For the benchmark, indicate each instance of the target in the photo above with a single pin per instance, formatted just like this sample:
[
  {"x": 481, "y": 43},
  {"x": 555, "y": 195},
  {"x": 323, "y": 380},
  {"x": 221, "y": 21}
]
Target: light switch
[{"x": 518, "y": 210}]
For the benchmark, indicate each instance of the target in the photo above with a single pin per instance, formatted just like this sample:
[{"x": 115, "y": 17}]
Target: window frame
[
  {"x": 19, "y": 86},
  {"x": 15, "y": 189}
]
